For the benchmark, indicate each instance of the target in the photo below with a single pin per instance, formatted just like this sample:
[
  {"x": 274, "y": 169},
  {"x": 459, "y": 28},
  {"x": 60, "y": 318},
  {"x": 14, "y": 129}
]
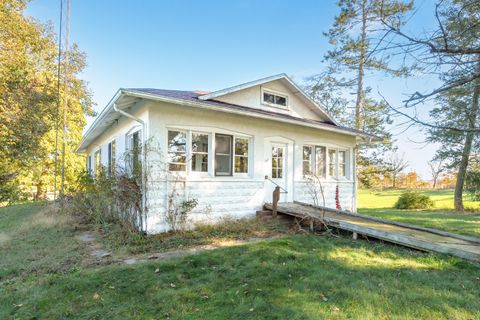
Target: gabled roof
[
  {"x": 282, "y": 77},
  {"x": 126, "y": 97}
]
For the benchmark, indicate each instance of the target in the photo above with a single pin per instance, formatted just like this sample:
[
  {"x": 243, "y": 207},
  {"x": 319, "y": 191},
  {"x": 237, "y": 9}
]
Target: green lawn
[
  {"x": 380, "y": 204},
  {"x": 295, "y": 277}
]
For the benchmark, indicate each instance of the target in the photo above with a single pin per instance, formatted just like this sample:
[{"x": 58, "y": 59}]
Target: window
[
  {"x": 332, "y": 162},
  {"x": 307, "y": 160},
  {"x": 223, "y": 155},
  {"x": 97, "y": 161},
  {"x": 177, "y": 152},
  {"x": 200, "y": 152},
  {"x": 277, "y": 162},
  {"x": 111, "y": 157},
  {"x": 241, "y": 155},
  {"x": 89, "y": 164},
  {"x": 135, "y": 150},
  {"x": 342, "y": 164},
  {"x": 320, "y": 161},
  {"x": 274, "y": 99}
]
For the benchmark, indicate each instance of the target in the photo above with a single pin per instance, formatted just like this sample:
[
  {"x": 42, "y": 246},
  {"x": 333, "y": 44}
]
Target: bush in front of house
[{"x": 413, "y": 200}]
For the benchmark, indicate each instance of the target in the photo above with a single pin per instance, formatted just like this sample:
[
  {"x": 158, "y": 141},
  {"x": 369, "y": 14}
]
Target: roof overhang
[
  {"x": 106, "y": 118},
  {"x": 125, "y": 98}
]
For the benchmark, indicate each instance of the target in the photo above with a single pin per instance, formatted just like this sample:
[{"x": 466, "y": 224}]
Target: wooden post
[
  {"x": 355, "y": 236},
  {"x": 275, "y": 199}
]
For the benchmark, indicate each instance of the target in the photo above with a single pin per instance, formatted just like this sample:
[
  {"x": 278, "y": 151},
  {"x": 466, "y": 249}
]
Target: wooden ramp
[{"x": 403, "y": 234}]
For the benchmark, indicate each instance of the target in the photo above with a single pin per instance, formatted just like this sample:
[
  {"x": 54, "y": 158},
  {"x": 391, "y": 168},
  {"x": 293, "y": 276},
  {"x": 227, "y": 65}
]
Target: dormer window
[{"x": 274, "y": 99}]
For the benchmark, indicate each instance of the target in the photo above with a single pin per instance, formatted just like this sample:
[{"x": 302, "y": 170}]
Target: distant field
[{"x": 380, "y": 204}]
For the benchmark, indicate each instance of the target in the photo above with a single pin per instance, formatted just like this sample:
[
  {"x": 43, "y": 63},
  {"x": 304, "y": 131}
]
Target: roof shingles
[{"x": 192, "y": 96}]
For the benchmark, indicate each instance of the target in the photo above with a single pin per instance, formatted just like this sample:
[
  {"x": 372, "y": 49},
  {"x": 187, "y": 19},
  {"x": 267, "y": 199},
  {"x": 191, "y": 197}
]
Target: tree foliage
[{"x": 28, "y": 101}]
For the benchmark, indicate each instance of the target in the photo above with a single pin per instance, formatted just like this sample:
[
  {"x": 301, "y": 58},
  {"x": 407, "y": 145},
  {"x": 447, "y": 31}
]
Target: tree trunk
[
  {"x": 435, "y": 182},
  {"x": 462, "y": 169},
  {"x": 360, "y": 93}
]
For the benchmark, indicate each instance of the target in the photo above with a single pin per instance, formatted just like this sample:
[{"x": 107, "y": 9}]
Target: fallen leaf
[
  {"x": 173, "y": 285},
  {"x": 157, "y": 270},
  {"x": 251, "y": 309},
  {"x": 96, "y": 296}
]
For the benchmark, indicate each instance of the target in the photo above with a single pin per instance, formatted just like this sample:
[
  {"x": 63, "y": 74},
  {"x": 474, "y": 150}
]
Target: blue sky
[{"x": 211, "y": 45}]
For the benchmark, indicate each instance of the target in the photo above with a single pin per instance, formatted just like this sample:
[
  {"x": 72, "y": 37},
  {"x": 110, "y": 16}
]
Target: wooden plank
[
  {"x": 401, "y": 224},
  {"x": 421, "y": 239}
]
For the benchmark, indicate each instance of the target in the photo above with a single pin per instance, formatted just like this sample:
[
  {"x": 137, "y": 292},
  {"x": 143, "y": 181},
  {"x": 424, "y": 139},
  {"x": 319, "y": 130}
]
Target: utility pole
[
  {"x": 65, "y": 105},
  {"x": 58, "y": 101}
]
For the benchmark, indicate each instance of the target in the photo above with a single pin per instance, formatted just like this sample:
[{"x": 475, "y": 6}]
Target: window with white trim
[
  {"x": 331, "y": 161},
  {"x": 274, "y": 99},
  {"x": 177, "y": 150},
  {"x": 97, "y": 156},
  {"x": 89, "y": 164},
  {"x": 223, "y": 155},
  {"x": 241, "y": 155},
  {"x": 342, "y": 163},
  {"x": 307, "y": 160},
  {"x": 111, "y": 157},
  {"x": 321, "y": 161},
  {"x": 200, "y": 152}
]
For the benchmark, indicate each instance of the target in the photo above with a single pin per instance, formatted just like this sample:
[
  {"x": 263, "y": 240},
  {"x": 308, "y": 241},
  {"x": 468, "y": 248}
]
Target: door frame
[{"x": 288, "y": 165}]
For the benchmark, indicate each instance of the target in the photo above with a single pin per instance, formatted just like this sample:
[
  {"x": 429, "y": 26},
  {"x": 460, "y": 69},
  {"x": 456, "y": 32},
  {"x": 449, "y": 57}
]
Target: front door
[{"x": 277, "y": 170}]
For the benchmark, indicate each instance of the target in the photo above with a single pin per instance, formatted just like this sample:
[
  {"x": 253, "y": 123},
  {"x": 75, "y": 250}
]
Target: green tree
[
  {"x": 354, "y": 37},
  {"x": 28, "y": 101}
]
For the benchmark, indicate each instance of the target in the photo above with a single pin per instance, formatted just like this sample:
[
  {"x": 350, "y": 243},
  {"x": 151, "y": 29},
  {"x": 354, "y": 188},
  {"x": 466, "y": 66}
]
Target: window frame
[
  {"x": 249, "y": 142},
  {"x": 230, "y": 174},
  {"x": 187, "y": 147},
  {"x": 190, "y": 152},
  {"x": 275, "y": 93},
  {"x": 111, "y": 156},
  {"x": 97, "y": 164},
  {"x": 311, "y": 160},
  {"x": 337, "y": 149}
]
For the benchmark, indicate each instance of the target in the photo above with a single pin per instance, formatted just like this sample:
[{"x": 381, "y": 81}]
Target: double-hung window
[
  {"x": 241, "y": 155},
  {"x": 320, "y": 161},
  {"x": 134, "y": 153},
  {"x": 307, "y": 160},
  {"x": 111, "y": 158},
  {"x": 342, "y": 163},
  {"x": 332, "y": 163},
  {"x": 97, "y": 156},
  {"x": 199, "y": 152},
  {"x": 223, "y": 155},
  {"x": 177, "y": 150}
]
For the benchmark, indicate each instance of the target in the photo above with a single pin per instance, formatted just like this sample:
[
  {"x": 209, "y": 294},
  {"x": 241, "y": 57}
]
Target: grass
[
  {"x": 293, "y": 277},
  {"x": 33, "y": 240},
  {"x": 116, "y": 238},
  {"x": 442, "y": 216}
]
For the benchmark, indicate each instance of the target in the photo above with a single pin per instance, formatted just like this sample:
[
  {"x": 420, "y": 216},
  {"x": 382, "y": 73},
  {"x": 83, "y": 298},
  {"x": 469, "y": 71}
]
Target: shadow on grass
[{"x": 299, "y": 277}]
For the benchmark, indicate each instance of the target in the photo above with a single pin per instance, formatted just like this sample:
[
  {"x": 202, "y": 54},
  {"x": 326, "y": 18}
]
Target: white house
[{"x": 230, "y": 146}]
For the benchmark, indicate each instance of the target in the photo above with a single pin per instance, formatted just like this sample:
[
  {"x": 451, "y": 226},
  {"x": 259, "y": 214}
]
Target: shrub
[{"x": 413, "y": 200}]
